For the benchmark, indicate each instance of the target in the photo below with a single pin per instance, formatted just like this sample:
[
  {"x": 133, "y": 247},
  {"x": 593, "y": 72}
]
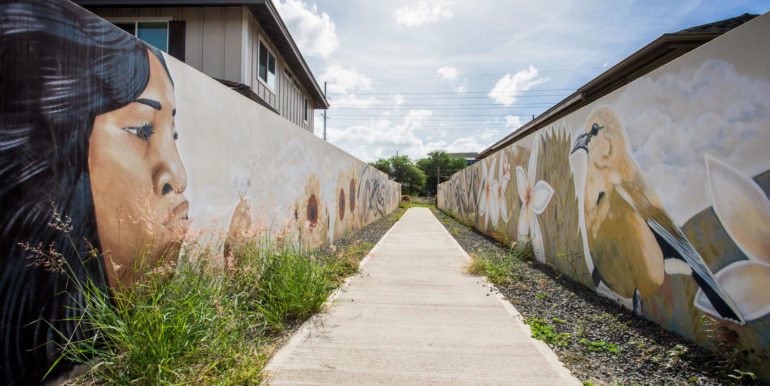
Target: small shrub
[
  {"x": 600, "y": 346},
  {"x": 542, "y": 331}
]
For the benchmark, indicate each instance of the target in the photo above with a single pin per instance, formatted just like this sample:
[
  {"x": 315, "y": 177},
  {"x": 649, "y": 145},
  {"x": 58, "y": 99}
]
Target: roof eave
[{"x": 309, "y": 80}]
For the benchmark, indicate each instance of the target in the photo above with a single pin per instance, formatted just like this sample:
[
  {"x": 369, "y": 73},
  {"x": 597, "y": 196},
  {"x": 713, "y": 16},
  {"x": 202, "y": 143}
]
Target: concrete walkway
[{"x": 413, "y": 316}]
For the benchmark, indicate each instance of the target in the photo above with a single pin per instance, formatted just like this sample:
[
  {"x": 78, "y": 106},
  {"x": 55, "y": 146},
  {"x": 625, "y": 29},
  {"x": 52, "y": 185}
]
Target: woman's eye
[{"x": 144, "y": 132}]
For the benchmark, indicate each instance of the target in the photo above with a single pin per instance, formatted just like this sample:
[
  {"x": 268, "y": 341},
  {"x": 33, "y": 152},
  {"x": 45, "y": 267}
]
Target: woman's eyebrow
[{"x": 149, "y": 102}]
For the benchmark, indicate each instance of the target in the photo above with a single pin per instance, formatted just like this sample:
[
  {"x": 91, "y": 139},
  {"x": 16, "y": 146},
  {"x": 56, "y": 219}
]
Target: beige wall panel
[
  {"x": 193, "y": 18},
  {"x": 213, "y": 42},
  {"x": 674, "y": 165},
  {"x": 232, "y": 44}
]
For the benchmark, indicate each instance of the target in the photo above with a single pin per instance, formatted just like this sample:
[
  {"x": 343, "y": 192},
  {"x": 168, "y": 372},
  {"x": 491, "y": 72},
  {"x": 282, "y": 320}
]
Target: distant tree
[
  {"x": 383, "y": 165},
  {"x": 442, "y": 162},
  {"x": 402, "y": 170}
]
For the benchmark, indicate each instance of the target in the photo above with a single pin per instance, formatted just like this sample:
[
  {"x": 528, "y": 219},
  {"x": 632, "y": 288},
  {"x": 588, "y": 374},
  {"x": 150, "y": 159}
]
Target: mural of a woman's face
[{"x": 138, "y": 180}]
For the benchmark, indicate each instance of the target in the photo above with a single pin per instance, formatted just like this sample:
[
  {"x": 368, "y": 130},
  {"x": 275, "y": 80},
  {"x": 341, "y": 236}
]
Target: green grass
[
  {"x": 545, "y": 332},
  {"x": 200, "y": 323},
  {"x": 600, "y": 346},
  {"x": 499, "y": 268},
  {"x": 204, "y": 325}
]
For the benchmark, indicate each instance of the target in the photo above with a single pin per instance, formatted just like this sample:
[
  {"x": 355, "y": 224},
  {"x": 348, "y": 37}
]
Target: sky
[{"x": 409, "y": 77}]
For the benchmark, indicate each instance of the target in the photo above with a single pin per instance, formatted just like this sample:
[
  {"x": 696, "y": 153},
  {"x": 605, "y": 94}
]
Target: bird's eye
[
  {"x": 144, "y": 132},
  {"x": 598, "y": 200},
  {"x": 594, "y": 129}
]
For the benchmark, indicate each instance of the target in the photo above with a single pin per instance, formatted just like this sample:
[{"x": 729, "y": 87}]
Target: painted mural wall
[
  {"x": 656, "y": 195},
  {"x": 108, "y": 143}
]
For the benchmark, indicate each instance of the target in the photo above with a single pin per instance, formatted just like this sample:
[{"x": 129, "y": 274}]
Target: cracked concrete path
[{"x": 413, "y": 316}]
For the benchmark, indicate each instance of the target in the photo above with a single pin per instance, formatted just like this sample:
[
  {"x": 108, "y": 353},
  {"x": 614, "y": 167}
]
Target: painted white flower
[
  {"x": 492, "y": 203},
  {"x": 500, "y": 188},
  {"x": 535, "y": 197},
  {"x": 744, "y": 211}
]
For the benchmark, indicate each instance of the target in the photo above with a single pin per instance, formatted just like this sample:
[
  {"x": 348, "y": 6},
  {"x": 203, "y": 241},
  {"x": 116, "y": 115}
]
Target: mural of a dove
[{"x": 632, "y": 239}]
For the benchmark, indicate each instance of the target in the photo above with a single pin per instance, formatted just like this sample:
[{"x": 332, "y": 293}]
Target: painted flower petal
[
  {"x": 503, "y": 207},
  {"x": 541, "y": 196},
  {"x": 522, "y": 228},
  {"x": 742, "y": 208},
  {"x": 494, "y": 205},
  {"x": 532, "y": 167},
  {"x": 521, "y": 183},
  {"x": 491, "y": 169},
  {"x": 536, "y": 238}
]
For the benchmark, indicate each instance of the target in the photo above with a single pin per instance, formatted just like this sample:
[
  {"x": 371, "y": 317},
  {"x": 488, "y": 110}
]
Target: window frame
[
  {"x": 306, "y": 110},
  {"x": 263, "y": 43},
  {"x": 143, "y": 19}
]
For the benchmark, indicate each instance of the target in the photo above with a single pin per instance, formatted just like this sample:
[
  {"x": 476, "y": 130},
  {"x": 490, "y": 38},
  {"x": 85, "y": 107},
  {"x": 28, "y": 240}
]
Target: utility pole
[
  {"x": 325, "y": 112},
  {"x": 438, "y": 173}
]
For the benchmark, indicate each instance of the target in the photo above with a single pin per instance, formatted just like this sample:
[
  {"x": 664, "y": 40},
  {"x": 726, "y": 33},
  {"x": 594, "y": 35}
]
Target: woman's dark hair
[{"x": 60, "y": 67}]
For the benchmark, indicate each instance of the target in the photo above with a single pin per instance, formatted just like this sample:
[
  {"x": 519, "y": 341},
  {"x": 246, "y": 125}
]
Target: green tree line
[{"x": 420, "y": 177}]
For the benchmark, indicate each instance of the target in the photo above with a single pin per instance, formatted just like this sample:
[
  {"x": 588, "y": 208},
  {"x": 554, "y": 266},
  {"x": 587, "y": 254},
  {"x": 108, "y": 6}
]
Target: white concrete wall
[{"x": 677, "y": 167}]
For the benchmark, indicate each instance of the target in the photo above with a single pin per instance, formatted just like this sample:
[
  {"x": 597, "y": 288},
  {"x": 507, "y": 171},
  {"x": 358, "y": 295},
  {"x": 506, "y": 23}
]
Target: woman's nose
[{"x": 169, "y": 174}]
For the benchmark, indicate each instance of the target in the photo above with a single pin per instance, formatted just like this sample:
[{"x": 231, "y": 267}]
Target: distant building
[
  {"x": 243, "y": 44},
  {"x": 470, "y": 158}
]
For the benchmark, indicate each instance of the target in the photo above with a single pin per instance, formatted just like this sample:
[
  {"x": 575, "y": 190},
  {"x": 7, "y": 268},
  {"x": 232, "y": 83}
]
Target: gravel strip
[
  {"x": 369, "y": 234},
  {"x": 597, "y": 339}
]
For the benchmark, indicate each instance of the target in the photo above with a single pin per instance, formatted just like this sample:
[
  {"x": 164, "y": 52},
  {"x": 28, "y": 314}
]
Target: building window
[
  {"x": 266, "y": 66},
  {"x": 306, "y": 110},
  {"x": 153, "y": 32}
]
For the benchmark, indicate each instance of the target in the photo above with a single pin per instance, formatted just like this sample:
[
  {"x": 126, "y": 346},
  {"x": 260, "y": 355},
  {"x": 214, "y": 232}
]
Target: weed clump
[
  {"x": 499, "y": 268},
  {"x": 204, "y": 318}
]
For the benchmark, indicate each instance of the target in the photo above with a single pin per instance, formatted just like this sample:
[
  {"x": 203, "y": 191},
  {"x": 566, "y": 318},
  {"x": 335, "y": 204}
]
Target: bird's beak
[{"x": 581, "y": 143}]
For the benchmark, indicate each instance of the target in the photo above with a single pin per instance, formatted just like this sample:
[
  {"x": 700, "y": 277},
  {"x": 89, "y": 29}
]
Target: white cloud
[
  {"x": 464, "y": 145},
  {"x": 463, "y": 87},
  {"x": 510, "y": 86},
  {"x": 380, "y": 136},
  {"x": 398, "y": 100},
  {"x": 342, "y": 80},
  {"x": 423, "y": 11},
  {"x": 447, "y": 73},
  {"x": 513, "y": 121},
  {"x": 353, "y": 101},
  {"x": 711, "y": 109},
  {"x": 314, "y": 32},
  {"x": 344, "y": 84}
]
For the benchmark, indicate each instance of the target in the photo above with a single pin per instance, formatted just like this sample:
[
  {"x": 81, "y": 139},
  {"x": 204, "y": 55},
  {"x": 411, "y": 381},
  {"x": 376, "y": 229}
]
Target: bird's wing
[{"x": 674, "y": 244}]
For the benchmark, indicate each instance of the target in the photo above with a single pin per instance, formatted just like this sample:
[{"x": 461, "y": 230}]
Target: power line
[
  {"x": 494, "y": 74},
  {"x": 461, "y": 97},
  {"x": 370, "y": 117},
  {"x": 462, "y": 107},
  {"x": 447, "y": 92}
]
